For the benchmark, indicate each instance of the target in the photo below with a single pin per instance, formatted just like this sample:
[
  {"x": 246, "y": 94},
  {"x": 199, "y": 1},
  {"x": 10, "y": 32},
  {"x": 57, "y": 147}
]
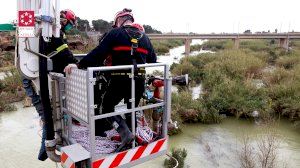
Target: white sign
[{"x": 26, "y": 32}]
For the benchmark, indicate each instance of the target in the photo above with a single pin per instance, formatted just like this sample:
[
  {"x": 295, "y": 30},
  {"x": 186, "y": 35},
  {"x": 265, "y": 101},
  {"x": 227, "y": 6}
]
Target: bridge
[{"x": 282, "y": 37}]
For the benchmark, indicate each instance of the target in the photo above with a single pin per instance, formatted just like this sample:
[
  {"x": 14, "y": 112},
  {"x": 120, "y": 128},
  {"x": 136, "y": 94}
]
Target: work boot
[{"x": 126, "y": 135}]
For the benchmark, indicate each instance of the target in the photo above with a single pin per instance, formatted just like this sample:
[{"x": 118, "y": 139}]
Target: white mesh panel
[{"x": 76, "y": 94}]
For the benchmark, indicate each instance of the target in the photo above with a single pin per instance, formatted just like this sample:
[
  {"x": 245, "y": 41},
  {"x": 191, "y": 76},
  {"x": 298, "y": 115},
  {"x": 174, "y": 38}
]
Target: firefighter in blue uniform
[{"x": 126, "y": 45}]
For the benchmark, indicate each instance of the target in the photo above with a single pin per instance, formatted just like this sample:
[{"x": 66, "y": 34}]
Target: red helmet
[
  {"x": 138, "y": 26},
  {"x": 123, "y": 13},
  {"x": 69, "y": 15}
]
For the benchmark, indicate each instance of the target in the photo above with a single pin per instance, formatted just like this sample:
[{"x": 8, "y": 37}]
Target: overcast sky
[{"x": 200, "y": 16}]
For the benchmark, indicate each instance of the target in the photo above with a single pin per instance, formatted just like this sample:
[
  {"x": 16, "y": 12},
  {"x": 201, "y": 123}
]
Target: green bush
[
  {"x": 196, "y": 47},
  {"x": 236, "y": 97},
  {"x": 214, "y": 66},
  {"x": 181, "y": 100},
  {"x": 11, "y": 90},
  {"x": 8, "y": 56},
  {"x": 265, "y": 49},
  {"x": 10, "y": 107},
  {"x": 193, "y": 66},
  {"x": 77, "y": 32},
  {"x": 12, "y": 82},
  {"x": 285, "y": 92},
  {"x": 2, "y": 85},
  {"x": 2, "y": 104},
  {"x": 180, "y": 103},
  {"x": 185, "y": 109},
  {"x": 157, "y": 73},
  {"x": 295, "y": 44},
  {"x": 254, "y": 45},
  {"x": 89, "y": 47},
  {"x": 233, "y": 64},
  {"x": 276, "y": 76},
  {"x": 286, "y": 98},
  {"x": 262, "y": 55},
  {"x": 227, "y": 78},
  {"x": 179, "y": 155},
  {"x": 186, "y": 68},
  {"x": 215, "y": 45},
  {"x": 259, "y": 76},
  {"x": 6, "y": 59},
  {"x": 161, "y": 49},
  {"x": 288, "y": 62},
  {"x": 210, "y": 116}
]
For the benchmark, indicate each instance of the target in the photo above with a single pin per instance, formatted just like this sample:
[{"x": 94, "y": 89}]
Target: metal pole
[
  {"x": 61, "y": 102},
  {"x": 69, "y": 126},
  {"x": 167, "y": 99},
  {"x": 57, "y": 19},
  {"x": 91, "y": 111},
  {"x": 133, "y": 104},
  {"x": 106, "y": 115},
  {"x": 123, "y": 67}
]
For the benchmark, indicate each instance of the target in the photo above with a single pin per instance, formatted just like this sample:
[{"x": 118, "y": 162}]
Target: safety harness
[
  {"x": 62, "y": 47},
  {"x": 135, "y": 36},
  {"x": 52, "y": 54}
]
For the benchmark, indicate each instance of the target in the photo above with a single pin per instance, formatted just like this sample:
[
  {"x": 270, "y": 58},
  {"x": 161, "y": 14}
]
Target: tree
[
  {"x": 82, "y": 24},
  {"x": 149, "y": 29},
  {"x": 102, "y": 25}
]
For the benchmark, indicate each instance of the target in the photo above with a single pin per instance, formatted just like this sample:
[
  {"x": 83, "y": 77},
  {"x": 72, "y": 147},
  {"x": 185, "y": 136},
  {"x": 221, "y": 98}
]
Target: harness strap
[
  {"x": 127, "y": 48},
  {"x": 58, "y": 50},
  {"x": 62, "y": 47},
  {"x": 134, "y": 46},
  {"x": 134, "y": 39}
]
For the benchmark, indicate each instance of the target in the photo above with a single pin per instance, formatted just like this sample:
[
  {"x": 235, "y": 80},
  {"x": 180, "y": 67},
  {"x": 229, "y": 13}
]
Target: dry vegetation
[{"x": 263, "y": 152}]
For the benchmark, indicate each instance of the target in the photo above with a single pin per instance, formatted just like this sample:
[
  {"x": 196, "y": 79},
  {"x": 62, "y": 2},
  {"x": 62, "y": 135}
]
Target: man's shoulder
[
  {"x": 115, "y": 30},
  {"x": 112, "y": 32}
]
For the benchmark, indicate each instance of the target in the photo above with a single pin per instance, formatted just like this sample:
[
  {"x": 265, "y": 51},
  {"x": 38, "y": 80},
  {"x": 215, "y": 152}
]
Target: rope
[
  {"x": 174, "y": 159},
  {"x": 145, "y": 133},
  {"x": 143, "y": 130},
  {"x": 105, "y": 145}
]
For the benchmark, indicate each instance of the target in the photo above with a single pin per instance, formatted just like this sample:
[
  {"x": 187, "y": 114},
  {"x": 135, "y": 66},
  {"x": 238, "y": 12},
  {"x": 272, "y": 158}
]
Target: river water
[
  {"x": 220, "y": 145},
  {"x": 207, "y": 145},
  {"x": 20, "y": 139},
  {"x": 175, "y": 55}
]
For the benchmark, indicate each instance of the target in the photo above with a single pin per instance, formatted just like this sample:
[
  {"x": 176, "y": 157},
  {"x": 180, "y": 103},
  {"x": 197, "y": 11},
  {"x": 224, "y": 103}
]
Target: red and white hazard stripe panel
[
  {"x": 132, "y": 155},
  {"x": 66, "y": 161}
]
